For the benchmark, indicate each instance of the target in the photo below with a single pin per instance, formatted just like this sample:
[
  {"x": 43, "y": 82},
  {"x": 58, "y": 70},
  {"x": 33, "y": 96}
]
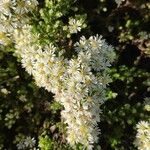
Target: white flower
[
  {"x": 142, "y": 141},
  {"x": 6, "y": 22},
  {"x": 75, "y": 25},
  {"x": 95, "y": 42},
  {"x": 28, "y": 65},
  {"x": 142, "y": 126},
  {"x": 82, "y": 44}
]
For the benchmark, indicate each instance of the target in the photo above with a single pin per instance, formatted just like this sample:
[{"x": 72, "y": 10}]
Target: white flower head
[
  {"x": 142, "y": 141},
  {"x": 95, "y": 42},
  {"x": 75, "y": 26}
]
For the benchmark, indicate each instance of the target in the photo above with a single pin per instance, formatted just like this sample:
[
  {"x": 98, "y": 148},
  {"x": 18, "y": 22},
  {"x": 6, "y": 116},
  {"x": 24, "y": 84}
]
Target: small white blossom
[
  {"x": 142, "y": 141},
  {"x": 75, "y": 26}
]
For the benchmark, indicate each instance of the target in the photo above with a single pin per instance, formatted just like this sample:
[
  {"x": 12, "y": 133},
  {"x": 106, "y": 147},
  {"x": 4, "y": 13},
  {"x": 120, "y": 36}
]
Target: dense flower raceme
[
  {"x": 79, "y": 83},
  {"x": 142, "y": 141},
  {"x": 85, "y": 91},
  {"x": 76, "y": 87}
]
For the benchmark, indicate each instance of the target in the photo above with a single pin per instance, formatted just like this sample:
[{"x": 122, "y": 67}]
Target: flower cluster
[
  {"x": 142, "y": 141},
  {"x": 85, "y": 91},
  {"x": 76, "y": 87},
  {"x": 13, "y": 15},
  {"x": 43, "y": 62},
  {"x": 78, "y": 83}
]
